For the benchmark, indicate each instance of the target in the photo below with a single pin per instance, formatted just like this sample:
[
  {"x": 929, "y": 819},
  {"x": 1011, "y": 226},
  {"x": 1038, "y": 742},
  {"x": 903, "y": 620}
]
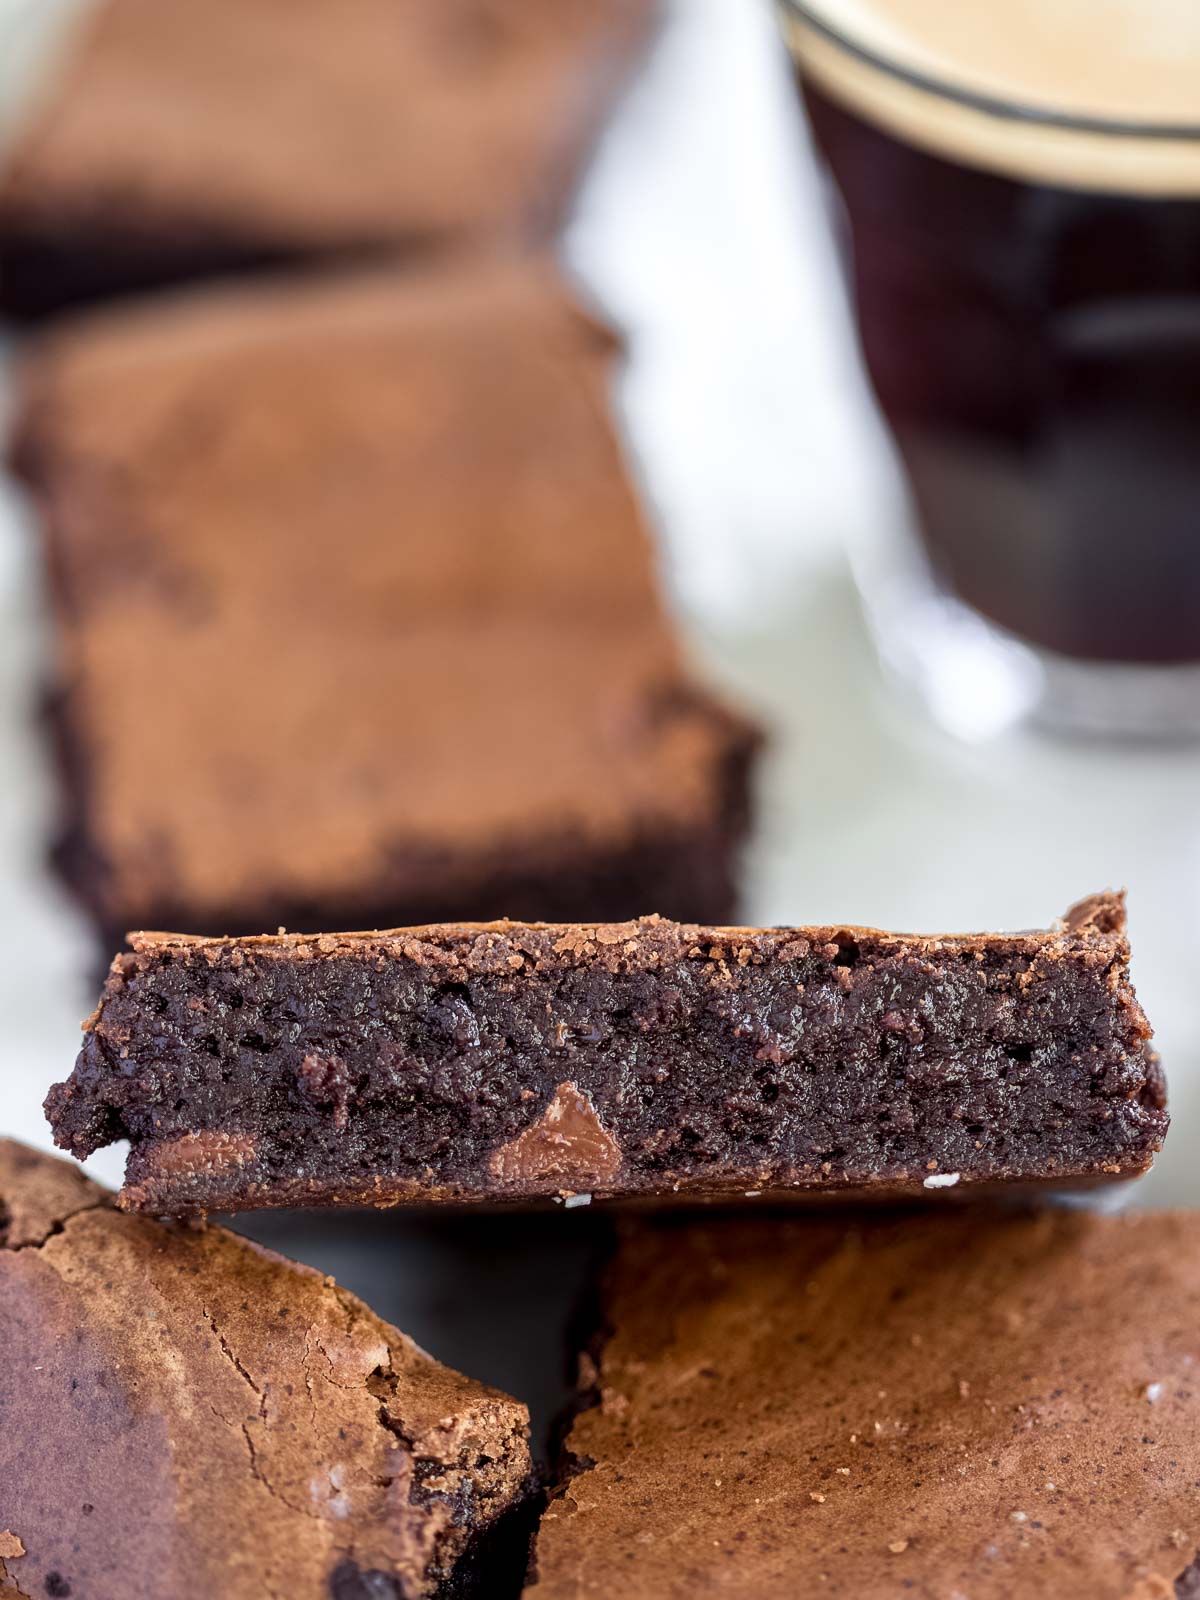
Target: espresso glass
[{"x": 1026, "y": 281}]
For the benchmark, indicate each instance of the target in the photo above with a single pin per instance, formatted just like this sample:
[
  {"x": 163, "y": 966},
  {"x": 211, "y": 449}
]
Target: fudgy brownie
[
  {"x": 968, "y": 1404},
  {"x": 184, "y": 1413},
  {"x": 644, "y": 1058},
  {"x": 358, "y": 619},
  {"x": 212, "y": 136}
]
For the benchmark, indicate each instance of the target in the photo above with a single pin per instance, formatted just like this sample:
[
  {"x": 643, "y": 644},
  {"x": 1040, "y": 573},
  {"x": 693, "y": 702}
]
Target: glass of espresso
[{"x": 1020, "y": 216}]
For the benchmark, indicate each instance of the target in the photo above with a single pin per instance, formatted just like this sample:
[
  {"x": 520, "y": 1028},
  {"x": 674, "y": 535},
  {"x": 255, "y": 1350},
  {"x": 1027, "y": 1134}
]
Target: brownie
[
  {"x": 219, "y": 136},
  {"x": 184, "y": 1413},
  {"x": 358, "y": 618},
  {"x": 510, "y": 1062},
  {"x": 971, "y": 1403}
]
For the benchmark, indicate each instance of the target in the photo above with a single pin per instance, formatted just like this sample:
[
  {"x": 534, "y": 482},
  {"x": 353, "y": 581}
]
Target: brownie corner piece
[
  {"x": 185, "y": 1413},
  {"x": 511, "y": 1061},
  {"x": 977, "y": 1402}
]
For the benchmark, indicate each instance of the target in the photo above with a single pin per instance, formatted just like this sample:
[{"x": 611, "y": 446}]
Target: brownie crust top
[{"x": 1096, "y": 924}]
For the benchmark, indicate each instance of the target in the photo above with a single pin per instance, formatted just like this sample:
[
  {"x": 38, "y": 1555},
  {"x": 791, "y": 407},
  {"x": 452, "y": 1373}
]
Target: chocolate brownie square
[
  {"x": 358, "y": 621},
  {"x": 641, "y": 1059},
  {"x": 211, "y": 136},
  {"x": 184, "y": 1413},
  {"x": 971, "y": 1404}
]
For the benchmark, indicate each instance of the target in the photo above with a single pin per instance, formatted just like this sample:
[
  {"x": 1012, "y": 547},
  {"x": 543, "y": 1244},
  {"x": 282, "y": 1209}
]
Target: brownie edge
[{"x": 508, "y": 1061}]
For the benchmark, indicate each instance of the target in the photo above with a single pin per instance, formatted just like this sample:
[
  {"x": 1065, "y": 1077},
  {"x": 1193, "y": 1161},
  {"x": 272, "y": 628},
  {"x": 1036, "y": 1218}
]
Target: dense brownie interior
[{"x": 440, "y": 1060}]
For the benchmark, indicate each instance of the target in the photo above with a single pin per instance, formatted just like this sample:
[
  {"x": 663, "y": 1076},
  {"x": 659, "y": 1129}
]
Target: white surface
[{"x": 701, "y": 229}]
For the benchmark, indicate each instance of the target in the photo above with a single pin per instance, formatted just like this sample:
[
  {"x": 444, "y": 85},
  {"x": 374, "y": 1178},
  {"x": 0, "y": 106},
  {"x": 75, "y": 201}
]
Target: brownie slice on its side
[
  {"x": 358, "y": 623},
  {"x": 509, "y": 1062},
  {"x": 217, "y": 136},
  {"x": 184, "y": 1413},
  {"x": 994, "y": 1405}
]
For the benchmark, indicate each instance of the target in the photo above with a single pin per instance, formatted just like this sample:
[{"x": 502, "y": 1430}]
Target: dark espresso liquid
[{"x": 1036, "y": 351}]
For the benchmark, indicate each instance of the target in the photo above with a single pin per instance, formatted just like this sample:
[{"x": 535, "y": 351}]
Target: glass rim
[{"x": 979, "y": 100}]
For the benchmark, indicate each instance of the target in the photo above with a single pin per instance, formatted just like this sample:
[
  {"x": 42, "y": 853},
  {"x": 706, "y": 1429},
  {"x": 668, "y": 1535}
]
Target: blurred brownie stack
[
  {"x": 217, "y": 136},
  {"x": 358, "y": 618}
]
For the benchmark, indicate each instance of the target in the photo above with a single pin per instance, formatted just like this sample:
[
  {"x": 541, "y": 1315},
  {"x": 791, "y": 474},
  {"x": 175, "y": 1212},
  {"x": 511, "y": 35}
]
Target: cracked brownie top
[{"x": 183, "y": 1412}]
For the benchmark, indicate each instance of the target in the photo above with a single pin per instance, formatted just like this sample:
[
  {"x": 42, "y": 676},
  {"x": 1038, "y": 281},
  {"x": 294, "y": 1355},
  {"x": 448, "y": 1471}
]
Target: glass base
[{"x": 977, "y": 680}]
